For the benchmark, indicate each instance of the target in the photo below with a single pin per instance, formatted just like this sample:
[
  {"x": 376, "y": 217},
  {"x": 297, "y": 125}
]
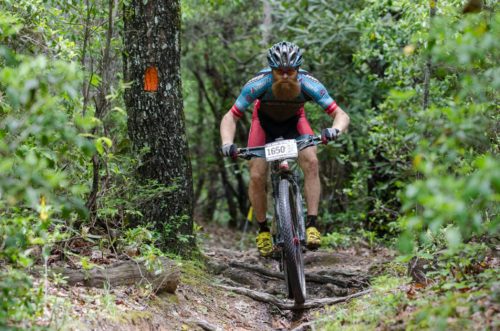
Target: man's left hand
[{"x": 329, "y": 134}]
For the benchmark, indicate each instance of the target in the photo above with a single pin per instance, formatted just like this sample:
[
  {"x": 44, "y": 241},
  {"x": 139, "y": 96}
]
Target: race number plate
[{"x": 280, "y": 150}]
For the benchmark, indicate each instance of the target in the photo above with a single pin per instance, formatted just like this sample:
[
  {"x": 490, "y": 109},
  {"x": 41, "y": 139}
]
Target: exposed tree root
[
  {"x": 360, "y": 281},
  {"x": 261, "y": 270},
  {"x": 339, "y": 278},
  {"x": 288, "y": 305},
  {"x": 204, "y": 325}
]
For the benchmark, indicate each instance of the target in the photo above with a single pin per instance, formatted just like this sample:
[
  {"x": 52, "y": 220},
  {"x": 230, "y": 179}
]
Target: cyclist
[{"x": 280, "y": 92}]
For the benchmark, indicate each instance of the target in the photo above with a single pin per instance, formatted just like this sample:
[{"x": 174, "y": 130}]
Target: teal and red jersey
[{"x": 260, "y": 88}]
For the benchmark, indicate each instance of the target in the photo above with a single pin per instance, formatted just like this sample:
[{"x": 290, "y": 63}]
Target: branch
[
  {"x": 201, "y": 84},
  {"x": 287, "y": 304}
]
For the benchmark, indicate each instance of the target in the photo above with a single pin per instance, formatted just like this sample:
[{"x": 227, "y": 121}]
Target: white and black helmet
[{"x": 284, "y": 55}]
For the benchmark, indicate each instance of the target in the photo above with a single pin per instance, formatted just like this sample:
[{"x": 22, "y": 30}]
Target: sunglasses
[{"x": 288, "y": 71}]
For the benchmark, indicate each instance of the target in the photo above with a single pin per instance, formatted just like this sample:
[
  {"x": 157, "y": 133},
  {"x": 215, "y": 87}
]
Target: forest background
[{"x": 418, "y": 170}]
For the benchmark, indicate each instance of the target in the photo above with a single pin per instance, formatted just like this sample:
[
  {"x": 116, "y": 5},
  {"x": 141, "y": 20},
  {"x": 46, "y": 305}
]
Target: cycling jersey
[
  {"x": 260, "y": 88},
  {"x": 273, "y": 118}
]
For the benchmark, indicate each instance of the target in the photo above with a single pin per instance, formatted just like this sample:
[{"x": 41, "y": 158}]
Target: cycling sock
[
  {"x": 263, "y": 226},
  {"x": 311, "y": 220}
]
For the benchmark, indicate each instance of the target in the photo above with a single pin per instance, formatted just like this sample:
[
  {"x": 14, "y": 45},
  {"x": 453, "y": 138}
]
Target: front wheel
[{"x": 293, "y": 262}]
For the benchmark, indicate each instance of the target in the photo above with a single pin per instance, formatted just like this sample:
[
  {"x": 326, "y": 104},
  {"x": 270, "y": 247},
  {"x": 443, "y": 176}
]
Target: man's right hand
[{"x": 229, "y": 150}]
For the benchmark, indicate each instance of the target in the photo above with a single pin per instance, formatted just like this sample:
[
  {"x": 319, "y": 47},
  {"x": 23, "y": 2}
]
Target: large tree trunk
[{"x": 156, "y": 119}]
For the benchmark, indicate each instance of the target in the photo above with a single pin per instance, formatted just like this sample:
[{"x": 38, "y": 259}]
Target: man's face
[{"x": 285, "y": 83}]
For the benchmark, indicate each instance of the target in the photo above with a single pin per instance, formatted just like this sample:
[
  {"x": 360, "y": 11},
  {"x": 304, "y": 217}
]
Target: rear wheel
[{"x": 293, "y": 262}]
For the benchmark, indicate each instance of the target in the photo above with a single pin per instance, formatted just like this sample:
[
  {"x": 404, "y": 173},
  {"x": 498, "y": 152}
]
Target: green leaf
[
  {"x": 99, "y": 144},
  {"x": 99, "y": 147},
  {"x": 95, "y": 80}
]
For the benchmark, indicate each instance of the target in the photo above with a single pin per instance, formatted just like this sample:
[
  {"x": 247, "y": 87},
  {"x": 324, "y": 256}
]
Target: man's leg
[
  {"x": 257, "y": 188},
  {"x": 258, "y": 198},
  {"x": 308, "y": 161}
]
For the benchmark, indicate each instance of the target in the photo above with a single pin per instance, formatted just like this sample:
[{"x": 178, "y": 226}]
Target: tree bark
[
  {"x": 428, "y": 63},
  {"x": 123, "y": 273},
  {"x": 156, "y": 118},
  {"x": 266, "y": 23}
]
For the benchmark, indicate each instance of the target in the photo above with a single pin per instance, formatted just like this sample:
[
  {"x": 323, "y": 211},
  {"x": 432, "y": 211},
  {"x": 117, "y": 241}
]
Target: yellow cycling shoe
[
  {"x": 264, "y": 244},
  {"x": 313, "y": 237}
]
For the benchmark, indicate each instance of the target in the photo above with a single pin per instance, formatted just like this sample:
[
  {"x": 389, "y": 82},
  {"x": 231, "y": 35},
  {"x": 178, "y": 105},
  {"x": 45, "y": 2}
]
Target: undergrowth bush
[{"x": 41, "y": 134}]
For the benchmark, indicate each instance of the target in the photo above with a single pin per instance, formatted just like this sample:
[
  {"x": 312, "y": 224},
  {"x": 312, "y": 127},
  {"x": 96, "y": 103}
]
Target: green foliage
[
  {"x": 462, "y": 292},
  {"x": 462, "y": 202},
  {"x": 347, "y": 238},
  {"x": 363, "y": 314},
  {"x": 220, "y": 54},
  {"x": 457, "y": 141},
  {"x": 336, "y": 240},
  {"x": 18, "y": 299},
  {"x": 36, "y": 135},
  {"x": 462, "y": 269},
  {"x": 141, "y": 240},
  {"x": 39, "y": 137},
  {"x": 465, "y": 282}
]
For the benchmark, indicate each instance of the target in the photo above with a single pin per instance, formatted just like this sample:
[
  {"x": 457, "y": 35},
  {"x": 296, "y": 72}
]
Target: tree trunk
[
  {"x": 156, "y": 118},
  {"x": 267, "y": 24},
  {"x": 428, "y": 63}
]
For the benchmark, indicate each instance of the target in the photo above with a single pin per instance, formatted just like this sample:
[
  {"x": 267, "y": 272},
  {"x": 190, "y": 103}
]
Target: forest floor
[
  {"x": 202, "y": 303},
  {"x": 203, "y": 300}
]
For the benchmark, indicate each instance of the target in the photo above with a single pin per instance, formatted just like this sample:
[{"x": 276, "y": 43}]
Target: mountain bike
[{"x": 289, "y": 236}]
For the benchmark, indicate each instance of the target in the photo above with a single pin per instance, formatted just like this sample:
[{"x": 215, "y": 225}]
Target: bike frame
[{"x": 280, "y": 169}]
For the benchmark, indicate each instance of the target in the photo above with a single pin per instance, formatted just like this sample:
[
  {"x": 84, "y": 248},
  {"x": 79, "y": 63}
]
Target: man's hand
[
  {"x": 229, "y": 150},
  {"x": 329, "y": 134}
]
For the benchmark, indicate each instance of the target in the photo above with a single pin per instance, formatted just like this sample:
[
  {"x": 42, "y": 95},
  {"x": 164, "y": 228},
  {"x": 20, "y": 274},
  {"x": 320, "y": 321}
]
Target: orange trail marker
[{"x": 151, "y": 79}]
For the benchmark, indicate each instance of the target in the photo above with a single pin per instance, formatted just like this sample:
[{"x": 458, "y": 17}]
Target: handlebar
[{"x": 259, "y": 151}]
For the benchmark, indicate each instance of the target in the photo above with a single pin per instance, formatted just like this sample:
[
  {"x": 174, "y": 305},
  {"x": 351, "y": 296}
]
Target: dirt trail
[
  {"x": 333, "y": 274},
  {"x": 201, "y": 302}
]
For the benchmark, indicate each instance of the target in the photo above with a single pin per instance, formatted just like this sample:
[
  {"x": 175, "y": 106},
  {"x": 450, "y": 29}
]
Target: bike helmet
[{"x": 284, "y": 55}]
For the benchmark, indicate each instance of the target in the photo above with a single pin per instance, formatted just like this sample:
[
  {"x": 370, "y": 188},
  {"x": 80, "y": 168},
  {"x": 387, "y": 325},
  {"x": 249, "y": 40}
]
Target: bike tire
[{"x": 292, "y": 250}]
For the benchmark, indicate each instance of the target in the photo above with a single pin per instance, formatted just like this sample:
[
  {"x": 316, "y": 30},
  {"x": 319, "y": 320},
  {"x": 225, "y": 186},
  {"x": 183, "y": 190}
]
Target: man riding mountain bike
[{"x": 280, "y": 92}]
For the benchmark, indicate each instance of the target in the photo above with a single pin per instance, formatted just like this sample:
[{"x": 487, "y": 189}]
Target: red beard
[{"x": 286, "y": 89}]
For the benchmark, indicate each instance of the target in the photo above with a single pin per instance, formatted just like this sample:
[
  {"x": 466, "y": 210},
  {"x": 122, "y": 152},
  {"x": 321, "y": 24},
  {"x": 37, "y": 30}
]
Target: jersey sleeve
[
  {"x": 254, "y": 88},
  {"x": 317, "y": 92}
]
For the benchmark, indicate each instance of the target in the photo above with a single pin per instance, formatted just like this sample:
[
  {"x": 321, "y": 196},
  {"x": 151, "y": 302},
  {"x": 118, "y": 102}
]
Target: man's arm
[
  {"x": 340, "y": 119},
  {"x": 253, "y": 88},
  {"x": 228, "y": 128},
  {"x": 317, "y": 91}
]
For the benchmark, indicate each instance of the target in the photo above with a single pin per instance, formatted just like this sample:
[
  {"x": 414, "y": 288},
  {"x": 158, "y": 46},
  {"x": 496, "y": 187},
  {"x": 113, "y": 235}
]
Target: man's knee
[
  {"x": 311, "y": 165},
  {"x": 258, "y": 177},
  {"x": 258, "y": 173}
]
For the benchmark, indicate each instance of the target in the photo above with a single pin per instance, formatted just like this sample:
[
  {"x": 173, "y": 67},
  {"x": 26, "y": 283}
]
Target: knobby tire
[{"x": 292, "y": 250}]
